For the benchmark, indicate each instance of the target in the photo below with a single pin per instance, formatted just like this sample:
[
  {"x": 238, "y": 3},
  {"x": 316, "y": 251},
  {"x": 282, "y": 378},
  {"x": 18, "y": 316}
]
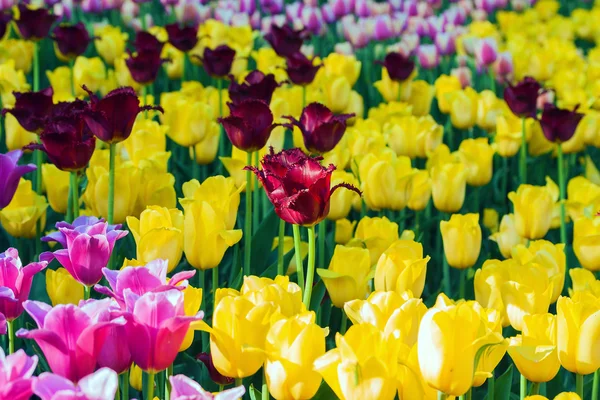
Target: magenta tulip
[
  {"x": 15, "y": 282},
  {"x": 16, "y": 375},
  {"x": 101, "y": 385},
  {"x": 70, "y": 337},
  {"x": 184, "y": 388},
  {"x": 10, "y": 175},
  {"x": 156, "y": 327}
]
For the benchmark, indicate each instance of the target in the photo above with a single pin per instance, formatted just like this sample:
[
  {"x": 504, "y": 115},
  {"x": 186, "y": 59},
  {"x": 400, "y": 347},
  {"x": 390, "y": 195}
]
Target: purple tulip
[
  {"x": 100, "y": 385},
  {"x": 249, "y": 124},
  {"x": 256, "y": 86},
  {"x": 3, "y": 324},
  {"x": 144, "y": 66},
  {"x": 383, "y": 28},
  {"x": 156, "y": 327},
  {"x": 184, "y": 388},
  {"x": 559, "y": 125},
  {"x": 16, "y": 375},
  {"x": 10, "y": 175},
  {"x": 80, "y": 224},
  {"x": 182, "y": 38},
  {"x": 272, "y": 6},
  {"x": 34, "y": 23},
  {"x": 398, "y": 66},
  {"x": 312, "y": 19},
  {"x": 300, "y": 69},
  {"x": 522, "y": 98},
  {"x": 71, "y": 40},
  {"x": 217, "y": 63},
  {"x": 87, "y": 252},
  {"x": 445, "y": 43},
  {"x": 32, "y": 108},
  {"x": 145, "y": 41},
  {"x": 284, "y": 40},
  {"x": 70, "y": 337},
  {"x": 15, "y": 282},
  {"x": 486, "y": 52}
]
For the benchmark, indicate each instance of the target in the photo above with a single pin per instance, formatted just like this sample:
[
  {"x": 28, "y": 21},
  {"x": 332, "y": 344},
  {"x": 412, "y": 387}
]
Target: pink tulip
[
  {"x": 362, "y": 9},
  {"x": 445, "y": 43},
  {"x": 15, "y": 282},
  {"x": 486, "y": 52},
  {"x": 342, "y": 7},
  {"x": 16, "y": 373},
  {"x": 383, "y": 27},
  {"x": 428, "y": 56},
  {"x": 156, "y": 327},
  {"x": 81, "y": 224},
  {"x": 101, "y": 385},
  {"x": 464, "y": 75},
  {"x": 503, "y": 67},
  {"x": 183, "y": 388},
  {"x": 87, "y": 251},
  {"x": 70, "y": 337}
]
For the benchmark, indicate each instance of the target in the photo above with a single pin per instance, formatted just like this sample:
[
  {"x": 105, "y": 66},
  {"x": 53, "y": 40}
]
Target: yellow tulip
[
  {"x": 110, "y": 42},
  {"x": 386, "y": 111},
  {"x": 534, "y": 351},
  {"x": 444, "y": 85},
  {"x": 376, "y": 235},
  {"x": 567, "y": 396},
  {"x": 583, "y": 197},
  {"x": 356, "y": 106},
  {"x": 488, "y": 283},
  {"x": 341, "y": 200},
  {"x": 292, "y": 346},
  {"x": 412, "y": 386},
  {"x": 386, "y": 181},
  {"x": 490, "y": 219},
  {"x": 56, "y": 183},
  {"x": 157, "y": 187},
  {"x": 21, "y": 51},
  {"x": 578, "y": 333},
  {"x": 402, "y": 267},
  {"x": 421, "y": 96},
  {"x": 174, "y": 67},
  {"x": 135, "y": 377},
  {"x": 448, "y": 186},
  {"x": 192, "y": 300},
  {"x": 420, "y": 190},
  {"x": 507, "y": 141},
  {"x": 489, "y": 109},
  {"x": 363, "y": 366},
  {"x": 463, "y": 108},
  {"x": 26, "y": 208},
  {"x": 11, "y": 80},
  {"x": 284, "y": 296},
  {"x": 60, "y": 80},
  {"x": 344, "y": 230},
  {"x": 337, "y": 93},
  {"x": 339, "y": 156},
  {"x": 478, "y": 156},
  {"x": 147, "y": 137},
  {"x": 158, "y": 234},
  {"x": 590, "y": 128},
  {"x": 547, "y": 256},
  {"x": 584, "y": 280},
  {"x": 538, "y": 144},
  {"x": 462, "y": 240},
  {"x": 586, "y": 240},
  {"x": 268, "y": 62},
  {"x": 207, "y": 148},
  {"x": 507, "y": 237},
  {"x": 391, "y": 90},
  {"x": 62, "y": 288},
  {"x": 336, "y": 65},
  {"x": 533, "y": 208},
  {"x": 348, "y": 275},
  {"x": 188, "y": 120},
  {"x": 90, "y": 72},
  {"x": 221, "y": 194},
  {"x": 16, "y": 136},
  {"x": 413, "y": 136}
]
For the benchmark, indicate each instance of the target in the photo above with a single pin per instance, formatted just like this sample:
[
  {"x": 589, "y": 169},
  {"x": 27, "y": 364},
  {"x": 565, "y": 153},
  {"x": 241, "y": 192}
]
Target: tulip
[
  {"x": 340, "y": 65},
  {"x": 215, "y": 376},
  {"x": 87, "y": 251},
  {"x": 144, "y": 66},
  {"x": 420, "y": 191},
  {"x": 344, "y": 230},
  {"x": 341, "y": 201},
  {"x": 391, "y": 90},
  {"x": 147, "y": 138},
  {"x": 71, "y": 40},
  {"x": 56, "y": 183},
  {"x": 92, "y": 73},
  {"x": 31, "y": 109},
  {"x": 486, "y": 52},
  {"x": 308, "y": 206},
  {"x": 402, "y": 267},
  {"x": 70, "y": 337},
  {"x": 189, "y": 120},
  {"x": 182, "y": 38},
  {"x": 16, "y": 375},
  {"x": 62, "y": 288},
  {"x": 376, "y": 234},
  {"x": 20, "y": 216},
  {"x": 534, "y": 351},
  {"x": 428, "y": 56},
  {"x": 386, "y": 182},
  {"x": 284, "y": 40},
  {"x": 508, "y": 135},
  {"x": 533, "y": 207},
  {"x": 558, "y": 124},
  {"x": 218, "y": 62},
  {"x": 421, "y": 96},
  {"x": 584, "y": 280},
  {"x": 398, "y": 66},
  {"x": 463, "y": 108},
  {"x": 12, "y": 173},
  {"x": 192, "y": 300},
  {"x": 100, "y": 385},
  {"x": 448, "y": 186},
  {"x": 586, "y": 232},
  {"x": 363, "y": 349},
  {"x": 183, "y": 388},
  {"x": 413, "y": 136},
  {"x": 522, "y": 98},
  {"x": 110, "y": 42},
  {"x": 34, "y": 23},
  {"x": 300, "y": 69},
  {"x": 462, "y": 240},
  {"x": 578, "y": 330},
  {"x": 445, "y": 85},
  {"x": 507, "y": 236},
  {"x": 256, "y": 86},
  {"x": 489, "y": 109},
  {"x": 478, "y": 156},
  {"x": 292, "y": 345},
  {"x": 488, "y": 283},
  {"x": 249, "y": 124}
]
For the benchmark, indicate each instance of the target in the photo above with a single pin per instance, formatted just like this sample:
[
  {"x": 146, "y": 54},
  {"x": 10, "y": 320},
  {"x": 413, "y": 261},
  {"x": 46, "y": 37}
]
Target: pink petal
[
  {"x": 48, "y": 384},
  {"x": 101, "y": 385}
]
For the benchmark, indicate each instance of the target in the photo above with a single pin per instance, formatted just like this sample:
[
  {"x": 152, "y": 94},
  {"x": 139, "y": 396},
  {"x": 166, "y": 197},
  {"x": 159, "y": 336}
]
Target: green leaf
[
  {"x": 237, "y": 282},
  {"x": 271, "y": 272},
  {"x": 324, "y": 393},
  {"x": 262, "y": 242},
  {"x": 504, "y": 385},
  {"x": 254, "y": 393},
  {"x": 317, "y": 295}
]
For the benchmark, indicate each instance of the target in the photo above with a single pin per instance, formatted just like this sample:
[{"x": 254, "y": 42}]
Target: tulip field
[{"x": 300, "y": 199}]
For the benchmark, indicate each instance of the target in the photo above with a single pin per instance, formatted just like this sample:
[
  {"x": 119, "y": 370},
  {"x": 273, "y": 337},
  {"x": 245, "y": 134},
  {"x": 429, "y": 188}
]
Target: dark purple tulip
[
  {"x": 34, "y": 23},
  {"x": 145, "y": 41},
  {"x": 522, "y": 98},
  {"x": 399, "y": 67},
  {"x": 4, "y": 21},
  {"x": 215, "y": 375},
  {"x": 321, "y": 129},
  {"x": 300, "y": 69},
  {"x": 249, "y": 124},
  {"x": 284, "y": 40},
  {"x": 32, "y": 108},
  {"x": 558, "y": 124},
  {"x": 144, "y": 66},
  {"x": 10, "y": 174},
  {"x": 111, "y": 118},
  {"x": 256, "y": 86},
  {"x": 217, "y": 63},
  {"x": 71, "y": 40},
  {"x": 182, "y": 38}
]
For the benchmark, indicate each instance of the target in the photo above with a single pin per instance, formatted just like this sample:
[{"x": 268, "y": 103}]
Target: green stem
[
  {"x": 298, "y": 255},
  {"x": 462, "y": 284},
  {"x": 221, "y": 388},
  {"x": 321, "y": 238},
  {"x": 596, "y": 385},
  {"x": 125, "y": 385},
  {"x": 69, "y": 214},
  {"x": 445, "y": 266},
  {"x": 143, "y": 21},
  {"x": 343, "y": 323},
  {"x": 215, "y": 279},
  {"x": 239, "y": 382},
  {"x": 310, "y": 274},
  {"x": 118, "y": 393},
  {"x": 168, "y": 382},
  {"x": 248, "y": 218},
  {"x": 86, "y": 292},
  {"x": 561, "y": 185},
  {"x": 161, "y": 384},
  {"x": 145, "y": 97},
  {"x": 221, "y": 135},
  {"x": 265, "y": 390},
  {"x": 150, "y": 387},
  {"x": 469, "y": 394},
  {"x": 71, "y": 64},
  {"x": 442, "y": 395},
  {"x": 111, "y": 183},
  {"x": 75, "y": 194},
  {"x": 535, "y": 388},
  {"x": 523, "y": 153},
  {"x": 417, "y": 223},
  {"x": 579, "y": 385},
  {"x": 505, "y": 173},
  {"x": 491, "y": 388},
  {"x": 492, "y": 79},
  {"x": 280, "y": 247},
  {"x": 523, "y": 387},
  {"x": 255, "y": 196},
  {"x": 10, "y": 326},
  {"x": 36, "y": 66}
]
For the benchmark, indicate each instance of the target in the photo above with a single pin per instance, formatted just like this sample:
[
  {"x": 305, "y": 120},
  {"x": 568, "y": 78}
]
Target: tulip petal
[
  {"x": 101, "y": 385},
  {"x": 48, "y": 384}
]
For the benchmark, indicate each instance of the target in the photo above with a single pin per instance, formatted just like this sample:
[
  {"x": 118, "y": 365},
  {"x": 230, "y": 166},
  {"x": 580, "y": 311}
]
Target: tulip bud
[
  {"x": 62, "y": 288},
  {"x": 444, "y": 85},
  {"x": 402, "y": 267},
  {"x": 463, "y": 108},
  {"x": 462, "y": 240},
  {"x": 478, "y": 156},
  {"x": 344, "y": 230},
  {"x": 448, "y": 188},
  {"x": 586, "y": 235},
  {"x": 110, "y": 42},
  {"x": 507, "y": 236},
  {"x": 56, "y": 183},
  {"x": 20, "y": 217},
  {"x": 376, "y": 234},
  {"x": 533, "y": 207}
]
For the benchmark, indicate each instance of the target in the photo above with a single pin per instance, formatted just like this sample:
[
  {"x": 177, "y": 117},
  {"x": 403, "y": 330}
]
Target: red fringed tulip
[
  {"x": 156, "y": 326},
  {"x": 398, "y": 66},
  {"x": 558, "y": 124},
  {"x": 10, "y": 175},
  {"x": 522, "y": 98},
  {"x": 249, "y": 124},
  {"x": 184, "y": 388},
  {"x": 321, "y": 129},
  {"x": 284, "y": 40},
  {"x": 111, "y": 118},
  {"x": 217, "y": 63},
  {"x": 16, "y": 281},
  {"x": 300, "y": 69},
  {"x": 87, "y": 252},
  {"x": 32, "y": 108},
  {"x": 298, "y": 186},
  {"x": 101, "y": 385},
  {"x": 71, "y": 40},
  {"x": 16, "y": 375},
  {"x": 34, "y": 23},
  {"x": 182, "y": 38},
  {"x": 70, "y": 337},
  {"x": 256, "y": 86}
]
